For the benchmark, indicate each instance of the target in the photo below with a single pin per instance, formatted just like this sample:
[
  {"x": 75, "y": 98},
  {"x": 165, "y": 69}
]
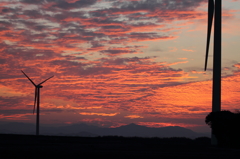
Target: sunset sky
[{"x": 114, "y": 62}]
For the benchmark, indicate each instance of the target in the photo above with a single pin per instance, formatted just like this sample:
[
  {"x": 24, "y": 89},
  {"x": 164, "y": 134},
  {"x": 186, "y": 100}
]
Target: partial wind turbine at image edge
[
  {"x": 37, "y": 99},
  {"x": 215, "y": 12}
]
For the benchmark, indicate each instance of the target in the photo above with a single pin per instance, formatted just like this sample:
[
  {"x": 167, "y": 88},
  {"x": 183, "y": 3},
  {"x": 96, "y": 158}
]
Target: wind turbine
[
  {"x": 215, "y": 12},
  {"x": 37, "y": 100}
]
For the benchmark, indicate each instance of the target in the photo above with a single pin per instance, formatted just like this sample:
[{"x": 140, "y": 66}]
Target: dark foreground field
[{"x": 26, "y": 146}]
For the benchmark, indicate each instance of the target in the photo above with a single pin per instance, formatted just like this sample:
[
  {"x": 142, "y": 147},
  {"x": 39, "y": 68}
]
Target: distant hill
[
  {"x": 142, "y": 131},
  {"x": 131, "y": 130}
]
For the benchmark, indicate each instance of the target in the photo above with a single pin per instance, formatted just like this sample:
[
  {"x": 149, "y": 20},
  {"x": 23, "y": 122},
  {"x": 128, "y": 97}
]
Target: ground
[{"x": 27, "y": 146}]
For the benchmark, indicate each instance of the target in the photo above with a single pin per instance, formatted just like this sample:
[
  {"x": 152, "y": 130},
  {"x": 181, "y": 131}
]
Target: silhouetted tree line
[{"x": 226, "y": 127}]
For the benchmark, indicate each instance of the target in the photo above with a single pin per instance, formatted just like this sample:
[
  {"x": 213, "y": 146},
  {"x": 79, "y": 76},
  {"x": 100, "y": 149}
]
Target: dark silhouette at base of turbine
[
  {"x": 225, "y": 127},
  {"x": 37, "y": 100}
]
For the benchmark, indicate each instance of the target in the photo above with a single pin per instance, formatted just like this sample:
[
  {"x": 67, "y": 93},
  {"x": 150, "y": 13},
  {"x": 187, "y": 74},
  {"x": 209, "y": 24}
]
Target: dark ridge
[
  {"x": 30, "y": 146},
  {"x": 84, "y": 130}
]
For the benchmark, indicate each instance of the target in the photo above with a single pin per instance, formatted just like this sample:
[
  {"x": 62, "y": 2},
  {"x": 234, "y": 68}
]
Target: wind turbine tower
[
  {"x": 215, "y": 12},
  {"x": 37, "y": 100}
]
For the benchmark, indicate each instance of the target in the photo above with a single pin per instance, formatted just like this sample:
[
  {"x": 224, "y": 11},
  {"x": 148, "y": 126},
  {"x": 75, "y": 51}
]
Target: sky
[{"x": 114, "y": 62}]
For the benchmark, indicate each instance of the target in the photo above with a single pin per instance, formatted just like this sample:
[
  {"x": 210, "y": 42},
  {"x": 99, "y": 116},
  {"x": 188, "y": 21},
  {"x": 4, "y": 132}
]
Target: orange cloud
[
  {"x": 184, "y": 58},
  {"x": 159, "y": 124},
  {"x": 176, "y": 63},
  {"x": 133, "y": 116},
  {"x": 16, "y": 116},
  {"x": 188, "y": 50},
  {"x": 99, "y": 114}
]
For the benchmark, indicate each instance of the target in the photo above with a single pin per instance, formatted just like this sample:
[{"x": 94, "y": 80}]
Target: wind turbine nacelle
[{"x": 40, "y": 86}]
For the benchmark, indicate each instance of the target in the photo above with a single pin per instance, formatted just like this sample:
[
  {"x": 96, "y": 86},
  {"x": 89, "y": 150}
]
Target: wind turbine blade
[
  {"x": 29, "y": 78},
  {"x": 35, "y": 99},
  {"x": 210, "y": 20},
  {"x": 45, "y": 80}
]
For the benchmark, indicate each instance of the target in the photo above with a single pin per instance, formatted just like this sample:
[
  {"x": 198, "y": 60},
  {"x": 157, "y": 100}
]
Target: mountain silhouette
[
  {"x": 143, "y": 131},
  {"x": 81, "y": 129}
]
